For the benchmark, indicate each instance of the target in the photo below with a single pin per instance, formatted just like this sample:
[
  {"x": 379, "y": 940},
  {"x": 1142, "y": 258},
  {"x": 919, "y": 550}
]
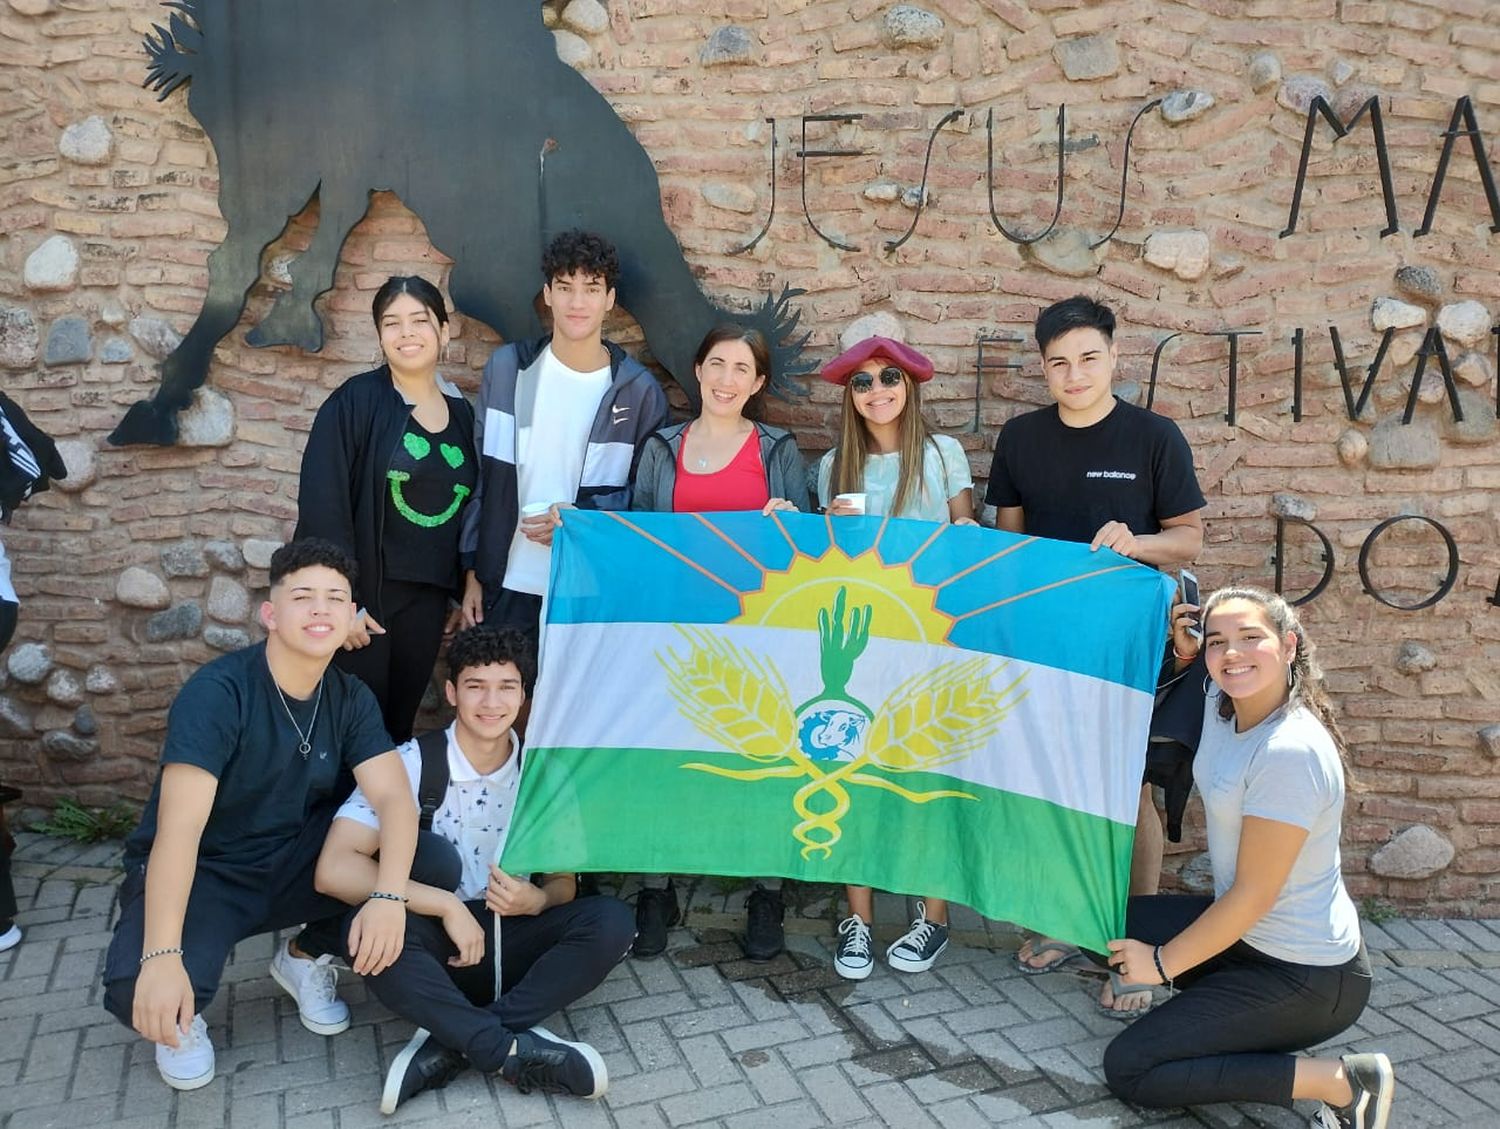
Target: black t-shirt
[
  {"x": 229, "y": 720},
  {"x": 429, "y": 478},
  {"x": 1132, "y": 466}
]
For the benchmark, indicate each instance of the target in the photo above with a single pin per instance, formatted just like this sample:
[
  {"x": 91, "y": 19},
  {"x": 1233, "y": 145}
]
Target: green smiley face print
[{"x": 443, "y": 471}]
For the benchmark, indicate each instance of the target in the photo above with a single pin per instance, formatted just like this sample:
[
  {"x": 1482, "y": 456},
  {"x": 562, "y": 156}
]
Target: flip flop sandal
[
  {"x": 1065, "y": 953},
  {"x": 1118, "y": 988}
]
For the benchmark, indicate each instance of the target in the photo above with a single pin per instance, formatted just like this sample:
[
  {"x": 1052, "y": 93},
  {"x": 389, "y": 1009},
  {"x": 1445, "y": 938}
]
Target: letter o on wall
[{"x": 1449, "y": 579}]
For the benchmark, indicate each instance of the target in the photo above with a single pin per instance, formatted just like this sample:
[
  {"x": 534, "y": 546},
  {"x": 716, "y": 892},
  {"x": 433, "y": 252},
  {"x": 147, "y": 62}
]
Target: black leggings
[
  {"x": 398, "y": 665},
  {"x": 1229, "y": 1035}
]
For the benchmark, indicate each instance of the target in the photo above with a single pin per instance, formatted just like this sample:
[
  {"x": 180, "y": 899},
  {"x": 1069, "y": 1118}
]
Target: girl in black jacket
[{"x": 388, "y": 469}]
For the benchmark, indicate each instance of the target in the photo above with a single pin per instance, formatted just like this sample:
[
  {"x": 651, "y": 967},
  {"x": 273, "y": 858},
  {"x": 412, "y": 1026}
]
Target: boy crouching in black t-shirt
[
  {"x": 1095, "y": 469},
  {"x": 257, "y": 742},
  {"x": 553, "y": 949}
]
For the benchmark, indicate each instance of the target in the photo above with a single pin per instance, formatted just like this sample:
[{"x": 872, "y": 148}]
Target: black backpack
[{"x": 432, "y": 785}]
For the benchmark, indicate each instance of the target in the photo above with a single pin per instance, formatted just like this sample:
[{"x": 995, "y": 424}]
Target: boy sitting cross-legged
[{"x": 554, "y": 948}]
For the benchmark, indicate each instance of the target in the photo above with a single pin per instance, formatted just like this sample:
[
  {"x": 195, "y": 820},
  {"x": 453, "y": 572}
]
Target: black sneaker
[
  {"x": 1373, "y": 1081},
  {"x": 851, "y": 955},
  {"x": 764, "y": 935},
  {"x": 917, "y": 948},
  {"x": 656, "y": 911},
  {"x": 423, "y": 1064},
  {"x": 542, "y": 1061}
]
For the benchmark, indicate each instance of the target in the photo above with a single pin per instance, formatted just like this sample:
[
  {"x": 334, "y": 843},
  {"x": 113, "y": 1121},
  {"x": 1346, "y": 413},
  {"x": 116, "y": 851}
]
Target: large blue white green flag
[{"x": 927, "y": 709}]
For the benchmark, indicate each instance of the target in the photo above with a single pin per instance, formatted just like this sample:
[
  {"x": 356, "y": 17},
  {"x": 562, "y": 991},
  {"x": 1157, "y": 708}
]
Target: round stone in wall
[
  {"x": 222, "y": 638},
  {"x": 1352, "y": 447},
  {"x": 1088, "y": 57},
  {"x": 572, "y": 49},
  {"x": 1415, "y": 658},
  {"x": 1184, "y": 253},
  {"x": 1468, "y": 323},
  {"x": 1419, "y": 282},
  {"x": 155, "y": 336},
  {"x": 207, "y": 421},
  {"x": 225, "y": 555},
  {"x": 52, "y": 266},
  {"x": 64, "y": 688},
  {"x": 228, "y": 602},
  {"x": 1392, "y": 313},
  {"x": 101, "y": 680},
  {"x": 1417, "y": 852},
  {"x": 19, "y": 337},
  {"x": 727, "y": 46},
  {"x": 1292, "y": 507},
  {"x": 587, "y": 17},
  {"x": 1265, "y": 70},
  {"x": 1185, "y": 105},
  {"x": 68, "y": 342},
  {"x": 184, "y": 559},
  {"x": 258, "y": 551},
  {"x": 29, "y": 663},
  {"x": 1405, "y": 446},
  {"x": 15, "y": 721},
  {"x": 182, "y": 622},
  {"x": 88, "y": 142},
  {"x": 141, "y": 588},
  {"x": 1298, "y": 92},
  {"x": 61, "y": 744},
  {"x": 906, "y": 25}
]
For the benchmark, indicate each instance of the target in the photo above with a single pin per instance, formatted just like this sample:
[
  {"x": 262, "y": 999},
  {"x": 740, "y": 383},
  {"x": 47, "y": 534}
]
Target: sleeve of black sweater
[{"x": 325, "y": 493}]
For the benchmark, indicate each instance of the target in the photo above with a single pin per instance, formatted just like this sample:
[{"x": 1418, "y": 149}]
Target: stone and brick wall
[{"x": 146, "y": 562}]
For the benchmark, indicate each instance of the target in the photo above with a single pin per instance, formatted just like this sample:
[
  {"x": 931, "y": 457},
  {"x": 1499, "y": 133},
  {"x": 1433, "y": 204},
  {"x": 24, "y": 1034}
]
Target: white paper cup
[
  {"x": 857, "y": 501},
  {"x": 535, "y": 509}
]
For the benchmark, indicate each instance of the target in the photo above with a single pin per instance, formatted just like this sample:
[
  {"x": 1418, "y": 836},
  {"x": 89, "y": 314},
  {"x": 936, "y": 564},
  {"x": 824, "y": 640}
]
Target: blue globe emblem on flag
[{"x": 831, "y": 730}]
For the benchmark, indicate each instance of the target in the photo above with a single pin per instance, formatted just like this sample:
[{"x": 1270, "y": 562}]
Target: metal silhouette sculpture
[{"x": 463, "y": 110}]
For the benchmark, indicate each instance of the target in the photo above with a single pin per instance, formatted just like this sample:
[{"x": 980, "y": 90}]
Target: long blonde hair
[{"x": 848, "y": 472}]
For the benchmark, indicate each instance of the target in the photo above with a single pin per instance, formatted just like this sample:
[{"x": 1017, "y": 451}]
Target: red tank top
[{"x": 739, "y": 486}]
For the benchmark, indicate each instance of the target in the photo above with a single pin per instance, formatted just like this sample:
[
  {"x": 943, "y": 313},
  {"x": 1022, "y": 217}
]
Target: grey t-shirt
[{"x": 1285, "y": 769}]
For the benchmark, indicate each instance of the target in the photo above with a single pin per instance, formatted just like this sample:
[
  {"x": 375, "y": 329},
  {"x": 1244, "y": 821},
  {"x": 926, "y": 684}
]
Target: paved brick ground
[{"x": 701, "y": 1037}]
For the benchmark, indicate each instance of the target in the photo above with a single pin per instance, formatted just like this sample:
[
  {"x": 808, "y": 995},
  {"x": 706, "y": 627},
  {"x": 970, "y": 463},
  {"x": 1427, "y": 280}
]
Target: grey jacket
[{"x": 656, "y": 476}]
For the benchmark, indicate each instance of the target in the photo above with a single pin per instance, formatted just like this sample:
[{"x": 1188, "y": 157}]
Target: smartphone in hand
[{"x": 1188, "y": 589}]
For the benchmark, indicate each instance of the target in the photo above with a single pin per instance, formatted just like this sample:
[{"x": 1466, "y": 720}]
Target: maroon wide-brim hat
[{"x": 908, "y": 360}]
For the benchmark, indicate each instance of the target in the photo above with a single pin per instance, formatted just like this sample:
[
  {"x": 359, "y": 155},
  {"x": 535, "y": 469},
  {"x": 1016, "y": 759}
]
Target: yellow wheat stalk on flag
[{"x": 741, "y": 703}]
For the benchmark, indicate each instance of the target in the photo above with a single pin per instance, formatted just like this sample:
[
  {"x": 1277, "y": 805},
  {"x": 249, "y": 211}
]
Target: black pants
[
  {"x": 521, "y": 610},
  {"x": 226, "y": 906},
  {"x": 8, "y": 906},
  {"x": 1229, "y": 1035},
  {"x": 547, "y": 962},
  {"x": 398, "y": 665}
]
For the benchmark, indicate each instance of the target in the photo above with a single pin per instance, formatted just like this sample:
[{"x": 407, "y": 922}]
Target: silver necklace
[{"x": 304, "y": 746}]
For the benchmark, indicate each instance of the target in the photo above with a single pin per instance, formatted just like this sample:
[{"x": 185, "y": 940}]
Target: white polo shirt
[{"x": 475, "y": 814}]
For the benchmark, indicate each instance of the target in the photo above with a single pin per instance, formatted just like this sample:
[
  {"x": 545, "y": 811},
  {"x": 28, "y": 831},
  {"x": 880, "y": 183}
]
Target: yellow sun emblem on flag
[{"x": 834, "y": 741}]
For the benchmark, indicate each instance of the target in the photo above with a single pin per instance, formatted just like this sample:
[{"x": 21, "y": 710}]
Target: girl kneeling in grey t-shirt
[{"x": 1273, "y": 963}]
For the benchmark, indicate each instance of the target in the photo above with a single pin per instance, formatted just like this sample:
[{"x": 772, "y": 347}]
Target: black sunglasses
[{"x": 889, "y": 378}]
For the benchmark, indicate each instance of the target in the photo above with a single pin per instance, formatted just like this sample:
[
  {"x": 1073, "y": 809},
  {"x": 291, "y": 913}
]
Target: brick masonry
[{"x": 129, "y": 205}]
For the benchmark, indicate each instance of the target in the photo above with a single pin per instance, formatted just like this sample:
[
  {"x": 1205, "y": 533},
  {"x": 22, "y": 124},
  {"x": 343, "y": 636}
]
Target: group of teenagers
[{"x": 292, "y": 793}]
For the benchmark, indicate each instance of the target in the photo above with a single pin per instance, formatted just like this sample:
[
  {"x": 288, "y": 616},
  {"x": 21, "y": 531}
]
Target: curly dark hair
[
  {"x": 481, "y": 645},
  {"x": 583, "y": 252},
  {"x": 306, "y": 552}
]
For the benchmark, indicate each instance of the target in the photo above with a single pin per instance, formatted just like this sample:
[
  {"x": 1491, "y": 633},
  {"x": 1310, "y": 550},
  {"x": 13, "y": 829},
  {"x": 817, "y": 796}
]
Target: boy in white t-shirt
[
  {"x": 555, "y": 948},
  {"x": 560, "y": 424}
]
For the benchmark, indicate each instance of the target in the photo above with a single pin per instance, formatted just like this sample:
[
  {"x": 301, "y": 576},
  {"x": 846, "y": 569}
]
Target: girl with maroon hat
[{"x": 889, "y": 462}]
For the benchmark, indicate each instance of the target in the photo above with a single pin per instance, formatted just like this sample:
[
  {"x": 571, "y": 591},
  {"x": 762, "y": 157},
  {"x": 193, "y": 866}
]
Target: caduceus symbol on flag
[{"x": 934, "y": 718}]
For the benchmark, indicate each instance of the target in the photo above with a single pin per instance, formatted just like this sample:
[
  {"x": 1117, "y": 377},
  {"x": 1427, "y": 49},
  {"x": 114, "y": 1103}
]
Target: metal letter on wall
[
  {"x": 805, "y": 153},
  {"x": 299, "y": 101},
  {"x": 1463, "y": 110},
  {"x": 1062, "y": 161},
  {"x": 1341, "y": 129}
]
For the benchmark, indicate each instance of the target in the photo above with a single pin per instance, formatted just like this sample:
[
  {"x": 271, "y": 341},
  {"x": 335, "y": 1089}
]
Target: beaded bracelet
[
  {"x": 174, "y": 950},
  {"x": 381, "y": 895},
  {"x": 1160, "y": 971}
]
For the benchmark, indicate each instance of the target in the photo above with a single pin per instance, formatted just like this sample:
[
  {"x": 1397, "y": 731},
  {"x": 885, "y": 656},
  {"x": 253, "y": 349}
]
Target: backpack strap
[{"x": 432, "y": 785}]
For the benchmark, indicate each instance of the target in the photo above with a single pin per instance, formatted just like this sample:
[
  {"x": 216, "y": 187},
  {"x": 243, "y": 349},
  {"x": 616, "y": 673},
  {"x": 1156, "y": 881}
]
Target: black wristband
[{"x": 1160, "y": 971}]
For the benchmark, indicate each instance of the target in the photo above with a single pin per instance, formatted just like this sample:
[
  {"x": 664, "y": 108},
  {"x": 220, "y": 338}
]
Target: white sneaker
[
  {"x": 851, "y": 957},
  {"x": 10, "y": 938},
  {"x": 190, "y": 1065},
  {"x": 314, "y": 985}
]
